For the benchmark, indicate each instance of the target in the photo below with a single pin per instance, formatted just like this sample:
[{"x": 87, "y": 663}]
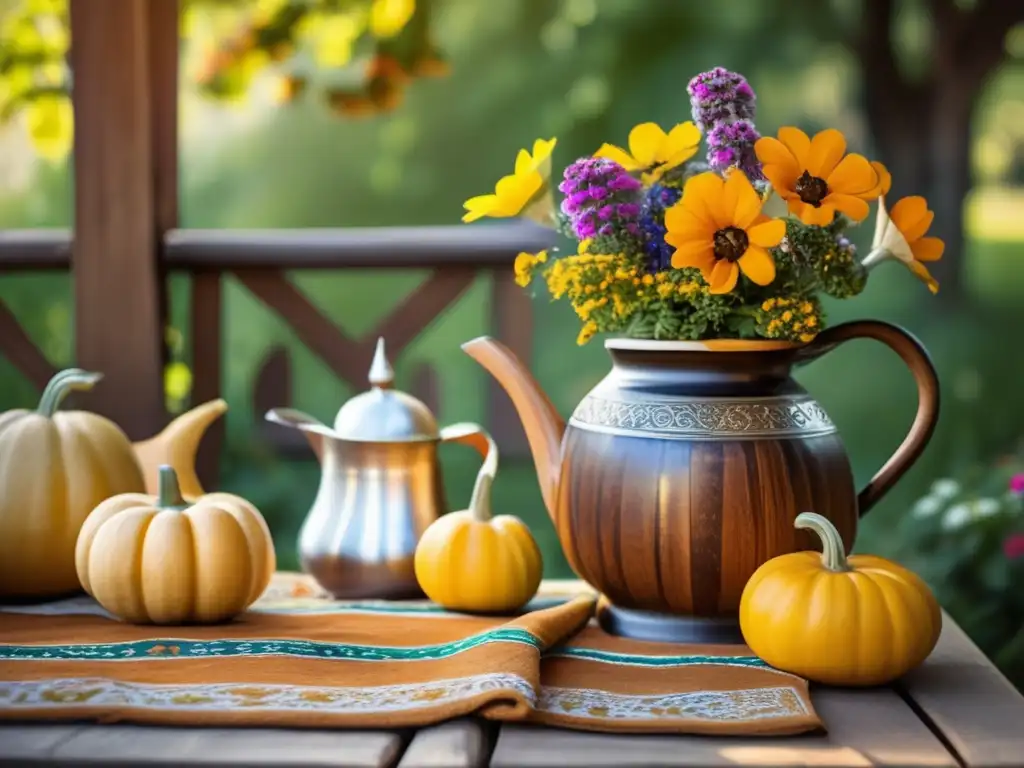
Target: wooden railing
[
  {"x": 127, "y": 237},
  {"x": 260, "y": 259}
]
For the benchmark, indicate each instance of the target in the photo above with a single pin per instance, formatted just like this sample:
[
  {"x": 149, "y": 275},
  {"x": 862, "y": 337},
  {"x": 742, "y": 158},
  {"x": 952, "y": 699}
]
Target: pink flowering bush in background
[{"x": 965, "y": 537}]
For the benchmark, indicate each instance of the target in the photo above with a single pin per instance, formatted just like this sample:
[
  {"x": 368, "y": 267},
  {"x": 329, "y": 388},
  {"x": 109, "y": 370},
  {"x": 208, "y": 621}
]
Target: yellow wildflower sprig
[
  {"x": 790, "y": 318},
  {"x": 526, "y": 265},
  {"x": 608, "y": 291}
]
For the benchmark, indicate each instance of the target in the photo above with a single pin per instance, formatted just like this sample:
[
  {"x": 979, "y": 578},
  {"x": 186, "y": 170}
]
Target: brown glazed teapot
[{"x": 682, "y": 471}]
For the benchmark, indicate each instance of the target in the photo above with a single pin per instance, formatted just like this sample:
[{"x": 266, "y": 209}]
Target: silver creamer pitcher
[{"x": 380, "y": 487}]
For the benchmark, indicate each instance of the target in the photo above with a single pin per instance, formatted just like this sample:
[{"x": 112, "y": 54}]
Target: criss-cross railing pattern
[{"x": 126, "y": 239}]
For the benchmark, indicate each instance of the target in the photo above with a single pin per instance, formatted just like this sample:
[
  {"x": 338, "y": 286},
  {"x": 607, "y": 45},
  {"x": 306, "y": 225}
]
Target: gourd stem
[
  {"x": 61, "y": 385},
  {"x": 168, "y": 491},
  {"x": 833, "y": 555},
  {"x": 480, "y": 501}
]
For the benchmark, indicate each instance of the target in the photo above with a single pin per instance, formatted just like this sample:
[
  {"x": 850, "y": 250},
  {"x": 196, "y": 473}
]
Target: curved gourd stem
[
  {"x": 61, "y": 385},
  {"x": 833, "y": 555},
  {"x": 169, "y": 492},
  {"x": 480, "y": 501}
]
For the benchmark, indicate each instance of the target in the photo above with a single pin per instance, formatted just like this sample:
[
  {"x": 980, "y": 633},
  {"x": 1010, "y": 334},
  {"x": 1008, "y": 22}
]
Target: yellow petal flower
[
  {"x": 717, "y": 227},
  {"x": 684, "y": 137},
  {"x": 524, "y": 161},
  {"x": 758, "y": 265},
  {"x": 652, "y": 151},
  {"x": 542, "y": 151},
  {"x": 645, "y": 143},
  {"x": 526, "y": 191},
  {"x": 479, "y": 206},
  {"x": 618, "y": 155},
  {"x": 816, "y": 177},
  {"x": 899, "y": 235}
]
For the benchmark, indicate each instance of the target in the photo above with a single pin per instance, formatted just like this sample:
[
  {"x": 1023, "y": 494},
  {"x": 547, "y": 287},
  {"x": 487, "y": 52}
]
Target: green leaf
[{"x": 742, "y": 325}]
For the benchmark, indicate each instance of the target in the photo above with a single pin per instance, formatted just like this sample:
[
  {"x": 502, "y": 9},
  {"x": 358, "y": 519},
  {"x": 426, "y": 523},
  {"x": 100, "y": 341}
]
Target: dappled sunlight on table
[{"x": 789, "y": 755}]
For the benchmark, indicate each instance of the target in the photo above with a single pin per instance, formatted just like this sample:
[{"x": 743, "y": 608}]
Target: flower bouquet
[{"x": 741, "y": 245}]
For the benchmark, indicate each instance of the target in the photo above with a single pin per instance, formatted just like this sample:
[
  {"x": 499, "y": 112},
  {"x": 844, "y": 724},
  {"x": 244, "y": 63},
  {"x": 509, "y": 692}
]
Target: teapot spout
[
  {"x": 177, "y": 446},
  {"x": 543, "y": 425}
]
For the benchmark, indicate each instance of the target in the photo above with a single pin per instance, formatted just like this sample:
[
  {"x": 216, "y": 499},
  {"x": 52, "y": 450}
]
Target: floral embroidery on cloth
[
  {"x": 101, "y": 692},
  {"x": 755, "y": 704}
]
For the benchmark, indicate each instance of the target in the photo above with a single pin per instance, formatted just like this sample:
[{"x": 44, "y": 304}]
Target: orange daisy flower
[
  {"x": 816, "y": 177},
  {"x": 717, "y": 227},
  {"x": 900, "y": 234}
]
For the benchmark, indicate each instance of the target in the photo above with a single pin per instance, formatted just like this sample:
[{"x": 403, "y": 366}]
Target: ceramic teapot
[
  {"x": 683, "y": 470},
  {"x": 380, "y": 487}
]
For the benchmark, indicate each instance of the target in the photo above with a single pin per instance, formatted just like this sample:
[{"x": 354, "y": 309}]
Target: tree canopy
[{"x": 358, "y": 55}]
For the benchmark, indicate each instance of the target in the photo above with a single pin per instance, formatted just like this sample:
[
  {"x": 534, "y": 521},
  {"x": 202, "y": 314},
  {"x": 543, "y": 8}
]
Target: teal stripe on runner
[
  {"x": 172, "y": 648},
  {"x": 609, "y": 657}
]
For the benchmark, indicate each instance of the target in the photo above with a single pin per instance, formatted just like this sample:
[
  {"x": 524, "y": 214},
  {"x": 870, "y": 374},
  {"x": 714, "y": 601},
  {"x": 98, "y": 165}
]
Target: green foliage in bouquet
[
  {"x": 670, "y": 247},
  {"x": 966, "y": 539}
]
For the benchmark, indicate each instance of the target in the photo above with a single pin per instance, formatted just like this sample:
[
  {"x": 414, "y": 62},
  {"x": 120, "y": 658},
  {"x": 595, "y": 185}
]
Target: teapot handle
[
  {"x": 914, "y": 355},
  {"x": 475, "y": 436}
]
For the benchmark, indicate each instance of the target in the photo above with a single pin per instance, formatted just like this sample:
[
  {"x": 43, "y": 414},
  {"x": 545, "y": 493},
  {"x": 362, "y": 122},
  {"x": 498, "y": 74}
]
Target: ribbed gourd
[
  {"x": 848, "y": 621},
  {"x": 165, "y": 560},
  {"x": 55, "y": 467}
]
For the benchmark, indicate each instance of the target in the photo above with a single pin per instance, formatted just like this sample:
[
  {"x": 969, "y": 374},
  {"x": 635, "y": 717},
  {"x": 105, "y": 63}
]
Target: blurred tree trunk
[{"x": 923, "y": 126}]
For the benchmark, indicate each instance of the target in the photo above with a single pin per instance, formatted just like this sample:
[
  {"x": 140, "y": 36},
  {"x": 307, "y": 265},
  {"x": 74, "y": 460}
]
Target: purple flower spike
[
  {"x": 600, "y": 197},
  {"x": 723, "y": 107},
  {"x": 718, "y": 95}
]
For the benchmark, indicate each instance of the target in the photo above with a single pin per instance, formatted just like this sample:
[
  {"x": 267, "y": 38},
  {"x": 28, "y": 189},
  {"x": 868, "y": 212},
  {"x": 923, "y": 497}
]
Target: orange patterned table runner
[{"x": 299, "y": 659}]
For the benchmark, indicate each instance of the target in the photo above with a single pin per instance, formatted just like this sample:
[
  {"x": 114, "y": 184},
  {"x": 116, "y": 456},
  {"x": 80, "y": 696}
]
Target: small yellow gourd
[
  {"x": 470, "y": 561},
  {"x": 857, "y": 621},
  {"x": 163, "y": 561},
  {"x": 55, "y": 467}
]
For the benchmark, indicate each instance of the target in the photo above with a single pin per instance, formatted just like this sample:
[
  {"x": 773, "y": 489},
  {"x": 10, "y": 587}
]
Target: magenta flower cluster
[
  {"x": 724, "y": 105},
  {"x": 719, "y": 95},
  {"x": 1013, "y": 546},
  {"x": 601, "y": 198}
]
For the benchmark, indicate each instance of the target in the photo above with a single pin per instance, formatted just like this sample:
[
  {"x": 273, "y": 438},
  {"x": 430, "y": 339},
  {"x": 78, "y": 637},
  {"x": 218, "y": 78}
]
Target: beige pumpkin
[
  {"x": 162, "y": 560},
  {"x": 55, "y": 467}
]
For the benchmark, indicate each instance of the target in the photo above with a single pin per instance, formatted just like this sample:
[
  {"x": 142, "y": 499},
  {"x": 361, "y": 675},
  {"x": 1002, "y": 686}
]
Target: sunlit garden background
[{"x": 289, "y": 137}]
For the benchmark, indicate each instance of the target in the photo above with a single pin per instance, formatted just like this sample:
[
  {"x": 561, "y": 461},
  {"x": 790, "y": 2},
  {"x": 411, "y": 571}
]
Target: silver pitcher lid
[{"x": 383, "y": 414}]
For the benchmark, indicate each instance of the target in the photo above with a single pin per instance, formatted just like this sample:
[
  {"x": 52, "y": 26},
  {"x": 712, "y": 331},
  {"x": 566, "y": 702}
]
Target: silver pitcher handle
[{"x": 475, "y": 436}]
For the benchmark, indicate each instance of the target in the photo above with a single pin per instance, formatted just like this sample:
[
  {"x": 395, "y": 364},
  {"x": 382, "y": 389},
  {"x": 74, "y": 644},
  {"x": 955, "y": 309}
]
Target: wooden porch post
[{"x": 119, "y": 330}]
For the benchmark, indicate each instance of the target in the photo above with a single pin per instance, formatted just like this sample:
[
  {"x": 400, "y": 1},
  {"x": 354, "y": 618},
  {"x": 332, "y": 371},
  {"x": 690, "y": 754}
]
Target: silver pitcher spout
[{"x": 380, "y": 487}]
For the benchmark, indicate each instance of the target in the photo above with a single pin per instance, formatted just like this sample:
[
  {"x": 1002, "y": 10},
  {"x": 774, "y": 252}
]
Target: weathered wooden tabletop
[{"x": 956, "y": 709}]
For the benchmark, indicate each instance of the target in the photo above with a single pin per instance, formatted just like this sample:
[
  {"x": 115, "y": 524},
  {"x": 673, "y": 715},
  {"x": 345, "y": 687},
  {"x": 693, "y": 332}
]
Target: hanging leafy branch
[{"x": 357, "y": 56}]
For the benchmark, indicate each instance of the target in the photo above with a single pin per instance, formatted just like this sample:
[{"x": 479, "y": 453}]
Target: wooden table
[{"x": 957, "y": 709}]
